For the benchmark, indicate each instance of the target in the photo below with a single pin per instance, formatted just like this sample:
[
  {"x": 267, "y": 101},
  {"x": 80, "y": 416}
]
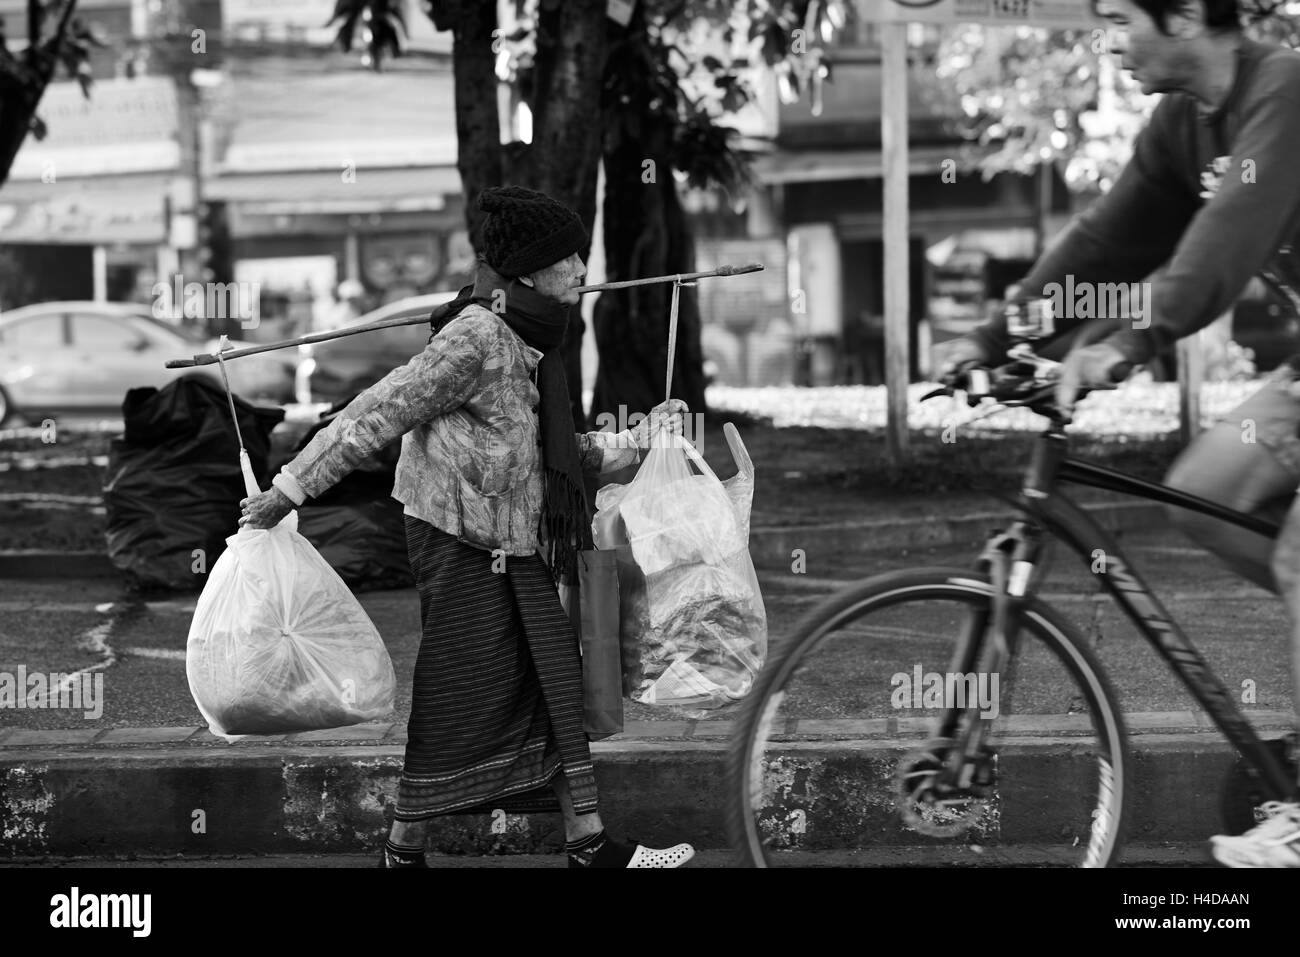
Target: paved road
[{"x": 65, "y": 625}]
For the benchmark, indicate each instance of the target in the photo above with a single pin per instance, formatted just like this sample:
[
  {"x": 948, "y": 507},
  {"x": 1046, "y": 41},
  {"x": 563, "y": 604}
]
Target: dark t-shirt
[{"x": 1214, "y": 225}]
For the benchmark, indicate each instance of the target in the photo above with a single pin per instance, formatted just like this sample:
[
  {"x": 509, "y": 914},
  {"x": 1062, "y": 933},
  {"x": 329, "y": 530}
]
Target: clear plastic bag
[
  {"x": 692, "y": 623},
  {"x": 279, "y": 644}
]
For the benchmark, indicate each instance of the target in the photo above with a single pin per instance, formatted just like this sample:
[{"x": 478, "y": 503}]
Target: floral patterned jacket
[{"x": 471, "y": 462}]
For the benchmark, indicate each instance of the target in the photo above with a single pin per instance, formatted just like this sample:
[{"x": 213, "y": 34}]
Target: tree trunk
[
  {"x": 19, "y": 98},
  {"x": 646, "y": 234},
  {"x": 478, "y": 131},
  {"x": 688, "y": 369},
  {"x": 568, "y": 128},
  {"x": 17, "y": 105},
  {"x": 562, "y": 161}
]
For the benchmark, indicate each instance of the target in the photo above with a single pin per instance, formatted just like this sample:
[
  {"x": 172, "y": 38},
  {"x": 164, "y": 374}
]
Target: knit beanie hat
[{"x": 525, "y": 230}]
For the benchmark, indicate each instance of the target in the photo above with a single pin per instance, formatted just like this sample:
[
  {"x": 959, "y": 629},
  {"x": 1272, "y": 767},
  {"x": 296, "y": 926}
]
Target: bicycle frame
[{"x": 1043, "y": 507}]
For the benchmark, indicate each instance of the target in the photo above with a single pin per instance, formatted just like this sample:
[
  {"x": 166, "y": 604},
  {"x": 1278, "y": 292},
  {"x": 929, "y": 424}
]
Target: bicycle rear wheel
[{"x": 834, "y": 757}]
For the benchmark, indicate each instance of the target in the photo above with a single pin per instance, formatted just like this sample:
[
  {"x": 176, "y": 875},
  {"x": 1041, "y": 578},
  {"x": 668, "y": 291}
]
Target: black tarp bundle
[
  {"x": 357, "y": 525},
  {"x": 174, "y": 484}
]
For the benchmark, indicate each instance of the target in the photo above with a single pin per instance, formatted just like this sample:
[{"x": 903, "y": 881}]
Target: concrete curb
[
  {"x": 764, "y": 543},
  {"x": 181, "y": 791}
]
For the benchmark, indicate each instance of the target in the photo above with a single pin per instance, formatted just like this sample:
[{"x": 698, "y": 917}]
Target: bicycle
[{"x": 981, "y": 782}]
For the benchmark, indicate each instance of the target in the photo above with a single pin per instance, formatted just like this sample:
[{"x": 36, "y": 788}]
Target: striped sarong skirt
[{"x": 496, "y": 706}]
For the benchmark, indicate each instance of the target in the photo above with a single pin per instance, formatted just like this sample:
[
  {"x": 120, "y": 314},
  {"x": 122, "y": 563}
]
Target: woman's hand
[
  {"x": 265, "y": 510},
  {"x": 666, "y": 415}
]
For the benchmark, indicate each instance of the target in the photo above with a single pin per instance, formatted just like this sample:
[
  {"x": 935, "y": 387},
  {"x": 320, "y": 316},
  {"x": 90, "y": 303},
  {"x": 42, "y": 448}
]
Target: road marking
[
  {"x": 166, "y": 654},
  {"x": 1169, "y": 550},
  {"x": 95, "y": 641},
  {"x": 43, "y": 498},
  {"x": 67, "y": 461},
  {"x": 182, "y": 605},
  {"x": 31, "y": 606}
]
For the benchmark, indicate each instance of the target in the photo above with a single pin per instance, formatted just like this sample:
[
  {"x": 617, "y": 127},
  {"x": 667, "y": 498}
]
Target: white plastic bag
[
  {"x": 279, "y": 644},
  {"x": 692, "y": 622}
]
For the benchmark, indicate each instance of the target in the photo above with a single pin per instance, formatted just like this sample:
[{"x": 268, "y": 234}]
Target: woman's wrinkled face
[
  {"x": 560, "y": 280},
  {"x": 1160, "y": 63}
]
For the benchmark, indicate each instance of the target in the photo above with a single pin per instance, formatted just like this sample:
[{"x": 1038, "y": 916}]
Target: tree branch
[{"x": 34, "y": 16}]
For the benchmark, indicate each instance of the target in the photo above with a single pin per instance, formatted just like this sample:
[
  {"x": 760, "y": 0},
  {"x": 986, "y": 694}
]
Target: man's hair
[{"x": 1219, "y": 14}]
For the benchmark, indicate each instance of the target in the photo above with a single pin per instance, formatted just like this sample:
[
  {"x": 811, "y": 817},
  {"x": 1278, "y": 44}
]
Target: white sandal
[{"x": 674, "y": 856}]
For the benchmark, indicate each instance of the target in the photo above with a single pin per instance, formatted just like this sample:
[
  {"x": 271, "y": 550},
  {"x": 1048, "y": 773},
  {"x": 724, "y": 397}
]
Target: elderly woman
[{"x": 491, "y": 476}]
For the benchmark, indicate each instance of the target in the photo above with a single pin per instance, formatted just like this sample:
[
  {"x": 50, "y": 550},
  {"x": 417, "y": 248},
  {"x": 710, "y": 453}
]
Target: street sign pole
[
  {"x": 893, "y": 142},
  {"x": 893, "y": 16}
]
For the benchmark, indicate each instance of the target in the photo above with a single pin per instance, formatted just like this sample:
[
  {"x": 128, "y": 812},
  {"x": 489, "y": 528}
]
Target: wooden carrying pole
[{"x": 207, "y": 358}]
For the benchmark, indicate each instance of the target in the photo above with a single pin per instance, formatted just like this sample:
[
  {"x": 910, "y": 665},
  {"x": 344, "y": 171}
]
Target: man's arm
[
  {"x": 1235, "y": 233},
  {"x": 1122, "y": 237},
  {"x": 439, "y": 379}
]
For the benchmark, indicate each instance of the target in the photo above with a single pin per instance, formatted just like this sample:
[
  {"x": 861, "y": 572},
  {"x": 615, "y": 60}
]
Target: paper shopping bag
[{"x": 602, "y": 666}]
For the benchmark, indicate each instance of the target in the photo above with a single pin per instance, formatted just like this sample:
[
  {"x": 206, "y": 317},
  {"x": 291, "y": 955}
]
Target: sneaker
[{"x": 1274, "y": 843}]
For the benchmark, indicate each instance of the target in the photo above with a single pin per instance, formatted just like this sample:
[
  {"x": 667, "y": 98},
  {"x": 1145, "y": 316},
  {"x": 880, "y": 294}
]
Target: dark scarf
[{"x": 541, "y": 323}]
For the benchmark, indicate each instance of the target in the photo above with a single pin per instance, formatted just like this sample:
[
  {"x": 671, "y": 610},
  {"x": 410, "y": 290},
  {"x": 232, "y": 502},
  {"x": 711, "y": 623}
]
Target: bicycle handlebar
[{"x": 1028, "y": 381}]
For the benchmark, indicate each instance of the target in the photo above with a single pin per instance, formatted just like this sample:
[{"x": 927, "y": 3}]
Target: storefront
[
  {"x": 366, "y": 191},
  {"x": 969, "y": 237}
]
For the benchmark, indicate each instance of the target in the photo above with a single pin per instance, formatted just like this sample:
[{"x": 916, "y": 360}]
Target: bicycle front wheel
[{"x": 839, "y": 753}]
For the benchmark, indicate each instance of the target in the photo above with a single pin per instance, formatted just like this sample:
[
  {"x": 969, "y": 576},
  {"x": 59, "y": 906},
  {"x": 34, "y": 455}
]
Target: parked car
[
  {"x": 84, "y": 357},
  {"x": 340, "y": 368}
]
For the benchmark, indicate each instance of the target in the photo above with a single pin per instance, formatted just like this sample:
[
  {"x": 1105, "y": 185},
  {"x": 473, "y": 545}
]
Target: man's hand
[
  {"x": 666, "y": 415},
  {"x": 265, "y": 510},
  {"x": 1098, "y": 366},
  {"x": 955, "y": 354}
]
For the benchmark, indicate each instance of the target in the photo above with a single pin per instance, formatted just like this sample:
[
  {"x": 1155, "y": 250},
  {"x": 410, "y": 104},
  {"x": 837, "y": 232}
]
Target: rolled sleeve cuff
[
  {"x": 623, "y": 453},
  {"x": 287, "y": 484},
  {"x": 617, "y": 450}
]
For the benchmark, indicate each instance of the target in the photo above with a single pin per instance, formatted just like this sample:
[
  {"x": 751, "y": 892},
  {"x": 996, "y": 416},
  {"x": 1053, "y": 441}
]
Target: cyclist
[{"x": 1211, "y": 193}]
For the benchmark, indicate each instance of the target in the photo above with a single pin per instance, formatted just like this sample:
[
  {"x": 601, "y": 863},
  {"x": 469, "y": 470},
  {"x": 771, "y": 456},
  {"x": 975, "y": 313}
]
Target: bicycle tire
[{"x": 747, "y": 816}]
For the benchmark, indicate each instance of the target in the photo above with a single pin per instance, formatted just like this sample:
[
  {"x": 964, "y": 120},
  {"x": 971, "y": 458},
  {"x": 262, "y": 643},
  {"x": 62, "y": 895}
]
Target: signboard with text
[
  {"x": 1047, "y": 14},
  {"x": 125, "y": 126}
]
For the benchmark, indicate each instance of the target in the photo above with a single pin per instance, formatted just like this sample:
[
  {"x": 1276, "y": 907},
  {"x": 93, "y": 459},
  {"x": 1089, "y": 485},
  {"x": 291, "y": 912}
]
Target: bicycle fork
[{"x": 1011, "y": 560}]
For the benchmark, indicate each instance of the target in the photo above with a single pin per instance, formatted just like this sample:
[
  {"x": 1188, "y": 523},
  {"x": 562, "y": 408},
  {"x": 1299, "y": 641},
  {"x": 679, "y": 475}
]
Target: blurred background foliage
[{"x": 1032, "y": 96}]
